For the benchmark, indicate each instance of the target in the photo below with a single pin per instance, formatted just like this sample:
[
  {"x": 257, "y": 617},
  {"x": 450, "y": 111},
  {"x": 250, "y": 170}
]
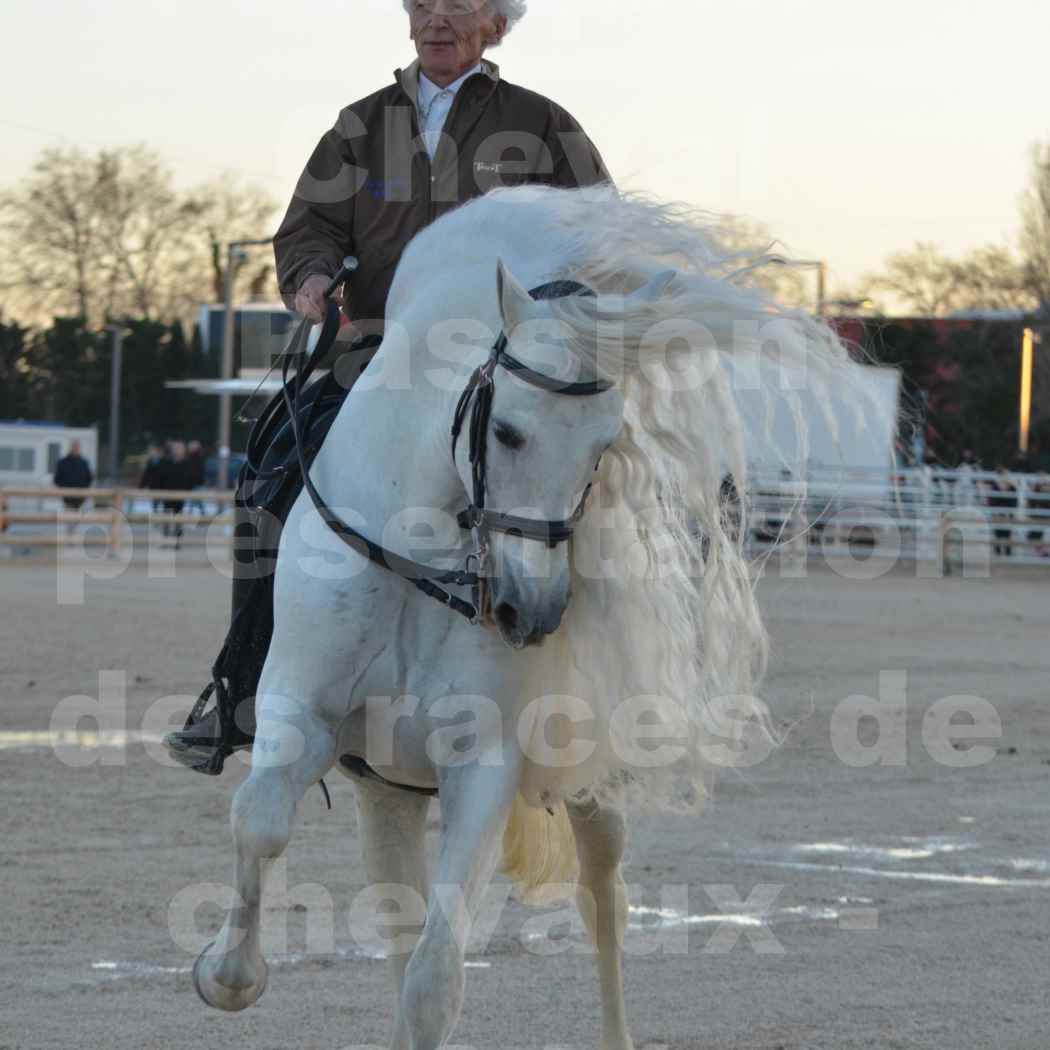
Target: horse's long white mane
[{"x": 674, "y": 616}]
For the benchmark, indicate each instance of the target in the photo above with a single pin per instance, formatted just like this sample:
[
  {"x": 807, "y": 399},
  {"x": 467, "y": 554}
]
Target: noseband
[{"x": 477, "y": 399}]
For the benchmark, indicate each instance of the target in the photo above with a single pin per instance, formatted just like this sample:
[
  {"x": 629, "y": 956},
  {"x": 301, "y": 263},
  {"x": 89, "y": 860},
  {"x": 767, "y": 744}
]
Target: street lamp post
[
  {"x": 235, "y": 255},
  {"x": 809, "y": 264},
  {"x": 115, "y": 370}
]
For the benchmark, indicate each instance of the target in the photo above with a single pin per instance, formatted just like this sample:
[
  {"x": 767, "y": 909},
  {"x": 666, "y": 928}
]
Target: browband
[{"x": 551, "y": 290}]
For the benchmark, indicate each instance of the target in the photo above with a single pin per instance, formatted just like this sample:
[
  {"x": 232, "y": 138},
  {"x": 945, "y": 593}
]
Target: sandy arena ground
[{"x": 901, "y": 906}]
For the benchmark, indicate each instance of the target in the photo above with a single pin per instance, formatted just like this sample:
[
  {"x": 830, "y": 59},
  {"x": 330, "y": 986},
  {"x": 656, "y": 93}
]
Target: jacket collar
[{"x": 409, "y": 78}]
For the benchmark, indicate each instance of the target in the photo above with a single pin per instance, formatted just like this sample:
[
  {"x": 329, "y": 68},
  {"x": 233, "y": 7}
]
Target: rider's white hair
[{"x": 512, "y": 10}]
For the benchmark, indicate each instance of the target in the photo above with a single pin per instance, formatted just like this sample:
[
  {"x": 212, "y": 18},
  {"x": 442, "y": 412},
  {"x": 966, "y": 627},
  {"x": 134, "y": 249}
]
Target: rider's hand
[{"x": 309, "y": 300}]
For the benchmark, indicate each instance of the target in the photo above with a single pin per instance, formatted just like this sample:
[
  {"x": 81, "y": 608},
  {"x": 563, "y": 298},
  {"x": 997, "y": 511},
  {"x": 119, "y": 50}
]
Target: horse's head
[{"x": 542, "y": 450}]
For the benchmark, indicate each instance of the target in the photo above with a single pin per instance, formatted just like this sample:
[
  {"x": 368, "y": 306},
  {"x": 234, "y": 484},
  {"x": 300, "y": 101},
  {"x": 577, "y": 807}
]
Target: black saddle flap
[{"x": 270, "y": 479}]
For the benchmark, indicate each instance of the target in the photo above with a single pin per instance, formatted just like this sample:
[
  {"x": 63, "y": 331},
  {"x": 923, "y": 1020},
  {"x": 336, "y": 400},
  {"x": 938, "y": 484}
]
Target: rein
[{"x": 477, "y": 398}]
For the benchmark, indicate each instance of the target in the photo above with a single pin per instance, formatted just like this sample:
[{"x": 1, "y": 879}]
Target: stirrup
[{"x": 220, "y": 747}]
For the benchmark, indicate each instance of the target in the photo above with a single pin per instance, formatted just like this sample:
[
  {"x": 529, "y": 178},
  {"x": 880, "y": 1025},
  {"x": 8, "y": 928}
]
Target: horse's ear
[
  {"x": 515, "y": 303},
  {"x": 652, "y": 291}
]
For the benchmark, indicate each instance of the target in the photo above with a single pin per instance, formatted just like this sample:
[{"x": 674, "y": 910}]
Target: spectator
[
  {"x": 73, "y": 472},
  {"x": 195, "y": 462},
  {"x": 1039, "y": 510},
  {"x": 173, "y": 475},
  {"x": 966, "y": 492},
  {"x": 1002, "y": 498},
  {"x": 1022, "y": 463},
  {"x": 149, "y": 472}
]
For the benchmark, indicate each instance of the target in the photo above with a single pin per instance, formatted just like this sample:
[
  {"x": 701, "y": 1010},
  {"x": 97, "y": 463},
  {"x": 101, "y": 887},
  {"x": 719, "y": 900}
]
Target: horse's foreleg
[
  {"x": 601, "y": 835},
  {"x": 475, "y": 803},
  {"x": 393, "y": 827},
  {"x": 292, "y": 751}
]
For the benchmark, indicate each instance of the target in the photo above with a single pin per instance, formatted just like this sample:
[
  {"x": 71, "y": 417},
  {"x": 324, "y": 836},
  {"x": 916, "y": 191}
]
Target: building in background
[{"x": 260, "y": 332}]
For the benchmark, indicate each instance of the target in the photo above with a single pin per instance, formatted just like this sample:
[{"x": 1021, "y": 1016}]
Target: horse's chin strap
[{"x": 477, "y": 397}]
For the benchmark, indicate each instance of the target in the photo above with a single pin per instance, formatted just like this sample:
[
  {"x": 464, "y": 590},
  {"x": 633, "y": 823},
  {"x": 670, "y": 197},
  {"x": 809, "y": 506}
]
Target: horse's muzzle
[{"x": 523, "y": 622}]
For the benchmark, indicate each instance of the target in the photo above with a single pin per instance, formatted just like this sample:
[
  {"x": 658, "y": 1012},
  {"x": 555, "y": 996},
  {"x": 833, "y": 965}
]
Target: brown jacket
[{"x": 370, "y": 185}]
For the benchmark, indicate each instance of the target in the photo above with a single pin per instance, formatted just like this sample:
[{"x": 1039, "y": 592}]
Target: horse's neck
[
  {"x": 390, "y": 449},
  {"x": 390, "y": 446}
]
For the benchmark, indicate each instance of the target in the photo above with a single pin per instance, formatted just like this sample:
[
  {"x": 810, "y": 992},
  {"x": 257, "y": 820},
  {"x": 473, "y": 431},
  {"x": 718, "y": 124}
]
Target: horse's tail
[{"x": 539, "y": 852}]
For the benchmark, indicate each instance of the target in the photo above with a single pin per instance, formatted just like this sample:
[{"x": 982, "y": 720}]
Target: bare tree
[
  {"x": 922, "y": 279},
  {"x": 1035, "y": 226},
  {"x": 750, "y": 241},
  {"x": 109, "y": 235},
  {"x": 146, "y": 227},
  {"x": 926, "y": 282},
  {"x": 52, "y": 239},
  {"x": 992, "y": 278},
  {"x": 230, "y": 211}
]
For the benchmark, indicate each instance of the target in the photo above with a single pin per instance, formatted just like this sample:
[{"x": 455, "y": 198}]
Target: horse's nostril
[{"x": 506, "y": 616}]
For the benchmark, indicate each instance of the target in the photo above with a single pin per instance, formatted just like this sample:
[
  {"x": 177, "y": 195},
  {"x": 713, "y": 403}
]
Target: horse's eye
[{"x": 508, "y": 435}]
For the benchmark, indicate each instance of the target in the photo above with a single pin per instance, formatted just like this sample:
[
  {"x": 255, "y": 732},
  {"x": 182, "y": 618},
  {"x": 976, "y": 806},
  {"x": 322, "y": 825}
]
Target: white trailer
[
  {"x": 29, "y": 451},
  {"x": 850, "y": 427}
]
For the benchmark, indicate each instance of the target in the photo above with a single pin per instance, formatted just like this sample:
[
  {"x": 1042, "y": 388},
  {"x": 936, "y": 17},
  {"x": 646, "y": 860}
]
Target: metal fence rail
[
  {"x": 956, "y": 518},
  {"x": 949, "y": 516},
  {"x": 41, "y": 517}
]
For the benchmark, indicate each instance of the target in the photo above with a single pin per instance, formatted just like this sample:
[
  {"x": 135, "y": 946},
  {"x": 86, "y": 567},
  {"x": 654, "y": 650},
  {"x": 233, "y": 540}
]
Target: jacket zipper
[{"x": 453, "y": 112}]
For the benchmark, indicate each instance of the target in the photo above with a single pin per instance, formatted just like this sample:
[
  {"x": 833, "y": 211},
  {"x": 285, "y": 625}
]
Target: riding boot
[{"x": 212, "y": 734}]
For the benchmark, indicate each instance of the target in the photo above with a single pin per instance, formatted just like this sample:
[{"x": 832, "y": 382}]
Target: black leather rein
[{"x": 477, "y": 397}]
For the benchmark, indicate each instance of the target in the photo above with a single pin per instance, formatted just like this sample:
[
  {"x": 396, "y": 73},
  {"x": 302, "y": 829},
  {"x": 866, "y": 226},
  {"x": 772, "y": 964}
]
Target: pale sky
[{"x": 852, "y": 129}]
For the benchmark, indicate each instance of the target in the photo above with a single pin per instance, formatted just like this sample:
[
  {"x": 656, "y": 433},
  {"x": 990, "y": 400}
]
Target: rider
[{"x": 448, "y": 129}]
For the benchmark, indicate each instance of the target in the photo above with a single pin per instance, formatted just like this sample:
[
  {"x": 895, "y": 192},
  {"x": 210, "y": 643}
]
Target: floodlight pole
[
  {"x": 822, "y": 280},
  {"x": 115, "y": 370},
  {"x": 822, "y": 277},
  {"x": 235, "y": 255}
]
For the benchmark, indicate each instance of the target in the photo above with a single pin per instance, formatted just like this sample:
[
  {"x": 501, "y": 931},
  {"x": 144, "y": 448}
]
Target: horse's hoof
[{"x": 218, "y": 996}]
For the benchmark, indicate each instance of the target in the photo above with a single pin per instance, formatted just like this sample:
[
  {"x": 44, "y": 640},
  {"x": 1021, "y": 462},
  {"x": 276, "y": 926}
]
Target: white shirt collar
[{"x": 428, "y": 90}]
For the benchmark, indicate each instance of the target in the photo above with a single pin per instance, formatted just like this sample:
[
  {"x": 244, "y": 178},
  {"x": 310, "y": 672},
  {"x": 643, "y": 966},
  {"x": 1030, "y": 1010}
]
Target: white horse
[{"x": 647, "y": 617}]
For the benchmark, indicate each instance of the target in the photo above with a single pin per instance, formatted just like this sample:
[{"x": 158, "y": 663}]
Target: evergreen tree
[
  {"x": 203, "y": 413},
  {"x": 144, "y": 400},
  {"x": 16, "y": 376},
  {"x": 71, "y": 366}
]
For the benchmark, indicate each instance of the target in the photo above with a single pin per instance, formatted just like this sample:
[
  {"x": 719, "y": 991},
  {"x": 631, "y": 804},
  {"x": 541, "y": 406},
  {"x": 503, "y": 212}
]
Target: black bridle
[{"x": 477, "y": 398}]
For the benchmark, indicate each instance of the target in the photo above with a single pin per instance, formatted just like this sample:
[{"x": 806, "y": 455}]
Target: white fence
[
  {"x": 953, "y": 517},
  {"x": 31, "y": 518}
]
